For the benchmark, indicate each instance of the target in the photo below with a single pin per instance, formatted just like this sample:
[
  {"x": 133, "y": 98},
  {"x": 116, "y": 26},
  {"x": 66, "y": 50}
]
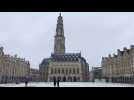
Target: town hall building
[{"x": 70, "y": 67}]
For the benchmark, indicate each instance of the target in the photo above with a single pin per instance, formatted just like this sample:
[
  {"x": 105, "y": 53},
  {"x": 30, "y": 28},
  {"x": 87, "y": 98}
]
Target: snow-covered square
[{"x": 69, "y": 84}]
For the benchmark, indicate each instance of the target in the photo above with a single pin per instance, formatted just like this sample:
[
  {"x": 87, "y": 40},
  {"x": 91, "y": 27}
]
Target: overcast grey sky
[{"x": 31, "y": 34}]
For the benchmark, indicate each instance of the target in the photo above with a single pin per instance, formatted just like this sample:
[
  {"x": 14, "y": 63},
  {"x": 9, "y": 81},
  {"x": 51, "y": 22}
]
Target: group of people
[{"x": 56, "y": 82}]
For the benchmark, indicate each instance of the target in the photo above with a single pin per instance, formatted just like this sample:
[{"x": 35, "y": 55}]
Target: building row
[
  {"x": 13, "y": 68},
  {"x": 119, "y": 67}
]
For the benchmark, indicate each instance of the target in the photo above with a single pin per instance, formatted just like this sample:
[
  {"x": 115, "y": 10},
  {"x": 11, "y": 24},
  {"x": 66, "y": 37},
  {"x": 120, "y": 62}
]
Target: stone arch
[
  {"x": 64, "y": 79},
  {"x": 78, "y": 78},
  {"x": 59, "y": 78},
  {"x": 74, "y": 79},
  {"x": 70, "y": 79},
  {"x": 54, "y": 78}
]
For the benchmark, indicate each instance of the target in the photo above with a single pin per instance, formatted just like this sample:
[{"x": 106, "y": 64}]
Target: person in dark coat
[
  {"x": 58, "y": 83},
  {"x": 54, "y": 82},
  {"x": 26, "y": 83}
]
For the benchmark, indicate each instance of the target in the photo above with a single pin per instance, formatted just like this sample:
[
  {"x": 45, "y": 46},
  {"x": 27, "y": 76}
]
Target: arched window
[
  {"x": 70, "y": 79},
  {"x": 78, "y": 78},
  {"x": 59, "y": 78},
  {"x": 64, "y": 79},
  {"x": 54, "y": 78},
  {"x": 74, "y": 79}
]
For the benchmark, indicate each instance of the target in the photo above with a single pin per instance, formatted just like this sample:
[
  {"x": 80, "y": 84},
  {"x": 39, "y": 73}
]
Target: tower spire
[
  {"x": 60, "y": 29},
  {"x": 59, "y": 46}
]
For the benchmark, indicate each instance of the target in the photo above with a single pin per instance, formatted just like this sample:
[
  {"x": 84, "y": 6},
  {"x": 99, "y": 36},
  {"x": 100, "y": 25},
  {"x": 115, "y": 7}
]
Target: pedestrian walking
[
  {"x": 26, "y": 83},
  {"x": 54, "y": 82},
  {"x": 58, "y": 83}
]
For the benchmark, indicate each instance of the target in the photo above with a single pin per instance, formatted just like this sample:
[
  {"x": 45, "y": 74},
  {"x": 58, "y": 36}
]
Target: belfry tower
[
  {"x": 63, "y": 66},
  {"x": 59, "y": 43}
]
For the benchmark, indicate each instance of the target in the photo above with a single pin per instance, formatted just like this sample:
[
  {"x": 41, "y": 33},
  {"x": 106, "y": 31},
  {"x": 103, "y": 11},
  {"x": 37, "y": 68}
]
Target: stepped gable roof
[
  {"x": 122, "y": 52},
  {"x": 66, "y": 57},
  {"x": 114, "y": 56},
  {"x": 128, "y": 51},
  {"x": 125, "y": 49}
]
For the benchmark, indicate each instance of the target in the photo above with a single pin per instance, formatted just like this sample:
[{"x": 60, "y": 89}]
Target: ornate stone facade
[
  {"x": 120, "y": 67},
  {"x": 63, "y": 66},
  {"x": 67, "y": 67},
  {"x": 12, "y": 68}
]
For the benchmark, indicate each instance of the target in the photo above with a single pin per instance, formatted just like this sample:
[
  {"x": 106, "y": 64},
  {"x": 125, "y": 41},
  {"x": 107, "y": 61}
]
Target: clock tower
[{"x": 59, "y": 43}]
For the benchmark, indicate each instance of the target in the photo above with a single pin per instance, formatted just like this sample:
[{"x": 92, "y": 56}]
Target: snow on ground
[{"x": 69, "y": 84}]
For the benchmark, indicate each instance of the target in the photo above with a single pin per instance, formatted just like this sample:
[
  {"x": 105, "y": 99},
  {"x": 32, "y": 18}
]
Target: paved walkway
[{"x": 69, "y": 84}]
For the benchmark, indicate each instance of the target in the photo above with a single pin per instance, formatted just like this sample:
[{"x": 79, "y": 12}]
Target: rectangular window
[
  {"x": 62, "y": 71},
  {"x": 66, "y": 71},
  {"x": 59, "y": 71},
  {"x": 55, "y": 70},
  {"x": 78, "y": 71},
  {"x": 73, "y": 71},
  {"x": 51, "y": 71},
  {"x": 70, "y": 72}
]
